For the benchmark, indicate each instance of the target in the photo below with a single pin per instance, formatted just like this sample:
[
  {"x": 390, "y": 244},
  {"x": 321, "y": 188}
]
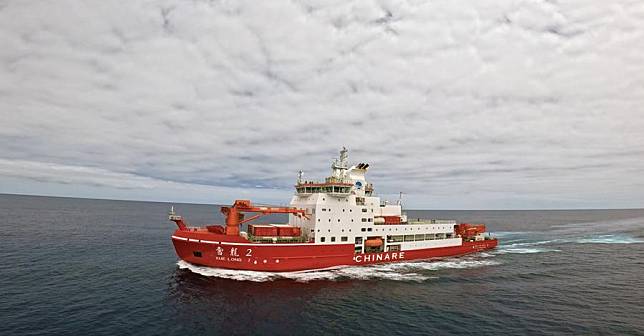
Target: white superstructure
[{"x": 343, "y": 209}]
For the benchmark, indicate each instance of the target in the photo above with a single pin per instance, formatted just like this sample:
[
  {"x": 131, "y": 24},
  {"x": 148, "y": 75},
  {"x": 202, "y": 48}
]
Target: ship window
[
  {"x": 342, "y": 210},
  {"x": 350, "y": 210},
  {"x": 312, "y": 230},
  {"x": 344, "y": 239},
  {"x": 393, "y": 248},
  {"x": 370, "y": 219},
  {"x": 197, "y": 254},
  {"x": 322, "y": 239},
  {"x": 420, "y": 237},
  {"x": 338, "y": 220},
  {"x": 369, "y": 229},
  {"x": 323, "y": 209},
  {"x": 364, "y": 219},
  {"x": 364, "y": 210},
  {"x": 352, "y": 220},
  {"x": 358, "y": 240},
  {"x": 409, "y": 238},
  {"x": 363, "y": 229},
  {"x": 329, "y": 219},
  {"x": 332, "y": 239},
  {"x": 318, "y": 219}
]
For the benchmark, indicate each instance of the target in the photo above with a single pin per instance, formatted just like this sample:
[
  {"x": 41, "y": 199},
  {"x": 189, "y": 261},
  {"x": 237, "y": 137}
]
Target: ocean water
[{"x": 94, "y": 267}]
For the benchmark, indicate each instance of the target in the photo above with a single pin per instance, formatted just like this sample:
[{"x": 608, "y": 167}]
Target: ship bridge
[{"x": 344, "y": 180}]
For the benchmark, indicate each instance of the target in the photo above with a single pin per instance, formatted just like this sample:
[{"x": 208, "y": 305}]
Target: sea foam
[{"x": 400, "y": 271}]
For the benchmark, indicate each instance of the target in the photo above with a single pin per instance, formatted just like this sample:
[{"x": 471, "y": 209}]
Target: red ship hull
[{"x": 222, "y": 251}]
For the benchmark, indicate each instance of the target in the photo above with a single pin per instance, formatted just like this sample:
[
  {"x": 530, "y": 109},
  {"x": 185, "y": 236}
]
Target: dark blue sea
[{"x": 98, "y": 267}]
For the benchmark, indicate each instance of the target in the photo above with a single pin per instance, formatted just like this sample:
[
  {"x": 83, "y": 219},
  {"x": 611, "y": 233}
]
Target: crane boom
[{"x": 235, "y": 214}]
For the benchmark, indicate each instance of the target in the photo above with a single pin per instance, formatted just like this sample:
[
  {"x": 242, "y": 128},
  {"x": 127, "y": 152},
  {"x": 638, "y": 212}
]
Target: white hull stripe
[
  {"x": 270, "y": 244},
  {"x": 244, "y": 244}
]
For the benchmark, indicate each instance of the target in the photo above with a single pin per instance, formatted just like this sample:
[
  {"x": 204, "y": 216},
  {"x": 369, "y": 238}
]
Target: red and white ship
[{"x": 338, "y": 222}]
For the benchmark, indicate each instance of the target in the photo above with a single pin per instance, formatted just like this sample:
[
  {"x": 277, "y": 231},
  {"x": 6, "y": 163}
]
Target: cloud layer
[{"x": 492, "y": 104}]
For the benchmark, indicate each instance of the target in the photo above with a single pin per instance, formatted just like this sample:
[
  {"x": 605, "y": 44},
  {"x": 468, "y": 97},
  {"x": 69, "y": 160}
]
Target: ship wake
[{"x": 412, "y": 271}]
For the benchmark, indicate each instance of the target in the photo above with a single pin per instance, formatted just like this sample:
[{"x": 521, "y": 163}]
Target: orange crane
[{"x": 235, "y": 217}]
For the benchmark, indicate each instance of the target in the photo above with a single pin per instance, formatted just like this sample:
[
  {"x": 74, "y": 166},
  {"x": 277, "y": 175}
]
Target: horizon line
[{"x": 201, "y": 203}]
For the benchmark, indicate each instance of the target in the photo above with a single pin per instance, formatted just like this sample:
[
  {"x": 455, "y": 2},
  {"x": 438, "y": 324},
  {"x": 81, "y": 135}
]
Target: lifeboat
[{"x": 373, "y": 242}]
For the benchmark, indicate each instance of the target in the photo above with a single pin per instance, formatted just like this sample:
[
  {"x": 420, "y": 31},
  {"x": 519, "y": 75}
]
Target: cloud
[{"x": 489, "y": 104}]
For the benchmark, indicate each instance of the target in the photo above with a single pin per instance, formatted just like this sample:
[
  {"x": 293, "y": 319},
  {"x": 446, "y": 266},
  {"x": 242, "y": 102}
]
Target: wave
[
  {"x": 516, "y": 243},
  {"x": 355, "y": 273},
  {"x": 542, "y": 242},
  {"x": 520, "y": 250},
  {"x": 401, "y": 271},
  {"x": 608, "y": 239},
  {"x": 501, "y": 234}
]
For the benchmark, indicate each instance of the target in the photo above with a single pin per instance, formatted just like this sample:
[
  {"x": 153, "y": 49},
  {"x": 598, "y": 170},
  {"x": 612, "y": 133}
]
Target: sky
[{"x": 457, "y": 104}]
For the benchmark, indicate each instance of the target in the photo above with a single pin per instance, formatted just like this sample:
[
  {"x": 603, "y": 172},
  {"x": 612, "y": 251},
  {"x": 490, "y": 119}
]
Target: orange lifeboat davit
[{"x": 373, "y": 242}]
